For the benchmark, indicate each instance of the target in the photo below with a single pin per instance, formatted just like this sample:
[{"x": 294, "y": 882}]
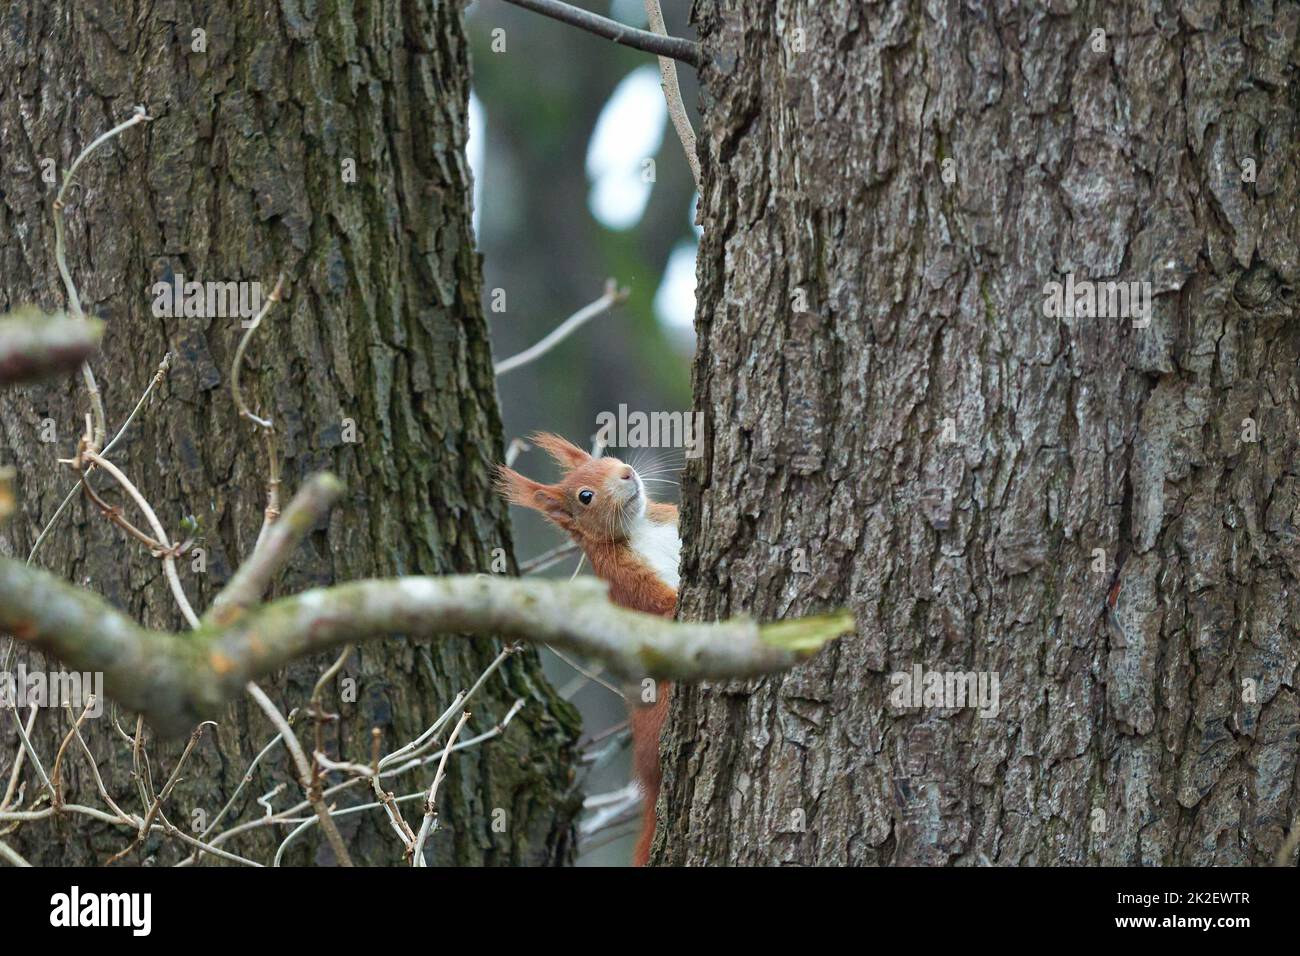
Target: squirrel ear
[
  {"x": 565, "y": 453},
  {"x": 514, "y": 487},
  {"x": 526, "y": 493}
]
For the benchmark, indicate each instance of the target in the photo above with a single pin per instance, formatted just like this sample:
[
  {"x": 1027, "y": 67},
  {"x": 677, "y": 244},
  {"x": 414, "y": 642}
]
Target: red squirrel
[{"x": 633, "y": 544}]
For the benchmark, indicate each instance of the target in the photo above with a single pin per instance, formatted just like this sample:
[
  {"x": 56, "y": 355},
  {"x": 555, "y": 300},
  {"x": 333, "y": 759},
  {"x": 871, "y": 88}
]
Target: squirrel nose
[{"x": 628, "y": 473}]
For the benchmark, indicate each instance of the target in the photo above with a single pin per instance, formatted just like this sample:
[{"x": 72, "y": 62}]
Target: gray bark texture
[
  {"x": 1169, "y": 738},
  {"x": 240, "y": 177}
]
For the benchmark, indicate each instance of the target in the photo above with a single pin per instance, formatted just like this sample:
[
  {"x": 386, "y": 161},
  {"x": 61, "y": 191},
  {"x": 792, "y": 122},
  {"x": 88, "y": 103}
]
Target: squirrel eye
[{"x": 585, "y": 496}]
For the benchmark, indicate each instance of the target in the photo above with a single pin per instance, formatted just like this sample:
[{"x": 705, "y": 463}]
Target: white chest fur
[{"x": 658, "y": 546}]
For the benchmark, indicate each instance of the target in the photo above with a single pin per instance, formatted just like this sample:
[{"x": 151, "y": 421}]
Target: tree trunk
[
  {"x": 241, "y": 176},
  {"x": 897, "y": 426}
]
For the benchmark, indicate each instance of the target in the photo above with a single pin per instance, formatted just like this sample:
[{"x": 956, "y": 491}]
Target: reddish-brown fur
[{"x": 596, "y": 529}]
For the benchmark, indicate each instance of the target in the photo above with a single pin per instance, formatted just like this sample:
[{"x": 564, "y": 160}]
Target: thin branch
[
  {"x": 140, "y": 766},
  {"x": 19, "y": 756},
  {"x": 431, "y": 805},
  {"x": 548, "y": 558},
  {"x": 155, "y": 807},
  {"x": 244, "y": 781},
  {"x": 288, "y": 816},
  {"x": 305, "y": 773},
  {"x": 31, "y": 752},
  {"x": 60, "y": 258},
  {"x": 330, "y": 673},
  {"x": 58, "y": 756},
  {"x": 154, "y": 382},
  {"x": 612, "y": 297},
  {"x": 203, "y": 847},
  {"x": 235, "y": 391},
  {"x": 427, "y": 739},
  {"x": 167, "y": 555},
  {"x": 11, "y": 856},
  {"x": 588, "y": 675},
  {"x": 272, "y": 512},
  {"x": 673, "y": 93},
  {"x": 94, "y": 769},
  {"x": 416, "y": 762},
  {"x": 610, "y": 809},
  {"x": 688, "y": 51},
  {"x": 115, "y": 515}
]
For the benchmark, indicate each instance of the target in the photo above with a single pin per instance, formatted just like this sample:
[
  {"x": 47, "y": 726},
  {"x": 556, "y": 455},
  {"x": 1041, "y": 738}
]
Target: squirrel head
[{"x": 595, "y": 500}]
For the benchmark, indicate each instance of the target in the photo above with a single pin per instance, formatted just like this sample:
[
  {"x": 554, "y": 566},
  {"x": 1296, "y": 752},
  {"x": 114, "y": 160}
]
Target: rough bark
[
  {"x": 825, "y": 173},
  {"x": 240, "y": 177}
]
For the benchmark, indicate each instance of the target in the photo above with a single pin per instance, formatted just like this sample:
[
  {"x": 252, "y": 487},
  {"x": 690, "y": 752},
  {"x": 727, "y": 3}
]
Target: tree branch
[
  {"x": 673, "y": 93},
  {"x": 688, "y": 51},
  {"x": 176, "y": 680},
  {"x": 34, "y": 345},
  {"x": 245, "y": 589},
  {"x": 612, "y": 296}
]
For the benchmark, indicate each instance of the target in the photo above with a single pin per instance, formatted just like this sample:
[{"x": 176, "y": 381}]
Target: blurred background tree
[{"x": 579, "y": 177}]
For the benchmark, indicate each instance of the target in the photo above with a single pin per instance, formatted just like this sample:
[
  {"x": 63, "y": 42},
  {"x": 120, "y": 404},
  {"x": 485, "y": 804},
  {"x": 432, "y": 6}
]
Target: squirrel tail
[{"x": 647, "y": 722}]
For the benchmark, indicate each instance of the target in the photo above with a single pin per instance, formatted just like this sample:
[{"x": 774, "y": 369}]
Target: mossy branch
[
  {"x": 176, "y": 680},
  {"x": 34, "y": 345}
]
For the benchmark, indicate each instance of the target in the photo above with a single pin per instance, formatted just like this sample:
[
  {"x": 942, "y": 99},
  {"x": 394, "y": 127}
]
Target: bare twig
[
  {"x": 94, "y": 769},
  {"x": 330, "y": 673},
  {"x": 673, "y": 93},
  {"x": 516, "y": 446},
  {"x": 244, "y": 781},
  {"x": 235, "y": 391},
  {"x": 115, "y": 515},
  {"x": 155, "y": 807},
  {"x": 140, "y": 766},
  {"x": 431, "y": 804},
  {"x": 288, "y": 816},
  {"x": 589, "y": 675},
  {"x": 60, "y": 258},
  {"x": 58, "y": 756},
  {"x": 89, "y": 469},
  {"x": 305, "y": 773},
  {"x": 687, "y": 51},
  {"x": 18, "y": 758},
  {"x": 167, "y": 555},
  {"x": 613, "y": 296},
  {"x": 204, "y": 847},
  {"x": 610, "y": 809},
  {"x": 548, "y": 558},
  {"x": 496, "y": 731},
  {"x": 11, "y": 856},
  {"x": 272, "y": 512},
  {"x": 31, "y": 752},
  {"x": 154, "y": 382}
]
